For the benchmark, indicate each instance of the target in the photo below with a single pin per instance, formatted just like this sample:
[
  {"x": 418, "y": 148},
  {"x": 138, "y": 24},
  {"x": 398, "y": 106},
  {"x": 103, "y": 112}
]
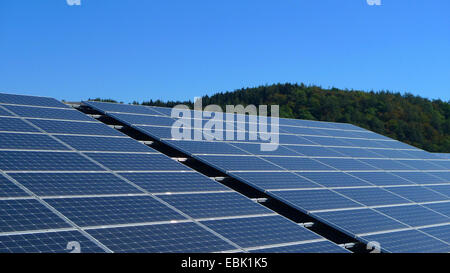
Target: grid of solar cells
[
  {"x": 15, "y": 125},
  {"x": 47, "y": 113},
  {"x": 317, "y": 247},
  {"x": 9, "y": 189},
  {"x": 106, "y": 144},
  {"x": 392, "y": 160},
  {"x": 30, "y": 100},
  {"x": 439, "y": 232},
  {"x": 4, "y": 112},
  {"x": 17, "y": 141},
  {"x": 49, "y": 242},
  {"x": 74, "y": 128}
]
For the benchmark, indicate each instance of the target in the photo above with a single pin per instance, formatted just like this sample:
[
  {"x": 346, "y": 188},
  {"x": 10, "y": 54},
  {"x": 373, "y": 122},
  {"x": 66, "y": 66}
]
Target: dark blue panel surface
[
  {"x": 318, "y": 247},
  {"x": 442, "y": 208},
  {"x": 360, "y": 221},
  {"x": 422, "y": 164},
  {"x": 15, "y": 125},
  {"x": 315, "y": 151},
  {"x": 256, "y": 149},
  {"x": 365, "y": 143},
  {"x": 181, "y": 237},
  {"x": 418, "y": 194},
  {"x": 98, "y": 211},
  {"x": 386, "y": 164},
  {"x": 442, "y": 189},
  {"x": 45, "y": 161},
  {"x": 27, "y": 214},
  {"x": 15, "y": 141},
  {"x": 205, "y": 147},
  {"x": 334, "y": 179},
  {"x": 58, "y": 184},
  {"x": 9, "y": 189},
  {"x": 414, "y": 215},
  {"x": 161, "y": 182},
  {"x": 373, "y": 196},
  {"x": 156, "y": 131},
  {"x": 439, "y": 232},
  {"x": 30, "y": 100},
  {"x": 310, "y": 200},
  {"x": 346, "y": 164},
  {"x": 444, "y": 176},
  {"x": 328, "y": 141},
  {"x": 137, "y": 162},
  {"x": 298, "y": 164},
  {"x": 213, "y": 205},
  {"x": 357, "y": 152},
  {"x": 4, "y": 113},
  {"x": 121, "y": 108},
  {"x": 259, "y": 231},
  {"x": 144, "y": 120},
  {"x": 110, "y": 144},
  {"x": 381, "y": 178},
  {"x": 301, "y": 131},
  {"x": 276, "y": 180},
  {"x": 409, "y": 241},
  {"x": 49, "y": 113},
  {"x": 444, "y": 163},
  {"x": 389, "y": 153},
  {"x": 239, "y": 163},
  {"x": 50, "y": 242},
  {"x": 420, "y": 177},
  {"x": 76, "y": 128}
]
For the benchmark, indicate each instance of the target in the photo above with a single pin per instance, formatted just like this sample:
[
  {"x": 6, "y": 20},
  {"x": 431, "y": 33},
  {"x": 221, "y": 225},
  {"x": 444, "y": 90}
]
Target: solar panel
[
  {"x": 414, "y": 215},
  {"x": 4, "y": 112},
  {"x": 16, "y": 141},
  {"x": 439, "y": 232},
  {"x": 340, "y": 169},
  {"x": 48, "y": 113},
  {"x": 107, "y": 144},
  {"x": 317, "y": 247},
  {"x": 48, "y": 242},
  {"x": 15, "y": 125},
  {"x": 442, "y": 208},
  {"x": 9, "y": 189},
  {"x": 30, "y": 100},
  {"x": 75, "y": 128},
  {"x": 259, "y": 231}
]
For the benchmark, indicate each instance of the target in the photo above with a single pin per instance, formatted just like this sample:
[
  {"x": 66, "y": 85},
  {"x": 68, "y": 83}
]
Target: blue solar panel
[
  {"x": 256, "y": 150},
  {"x": 386, "y": 164},
  {"x": 259, "y": 231},
  {"x": 420, "y": 177},
  {"x": 99, "y": 211},
  {"x": 45, "y": 161},
  {"x": 360, "y": 221},
  {"x": 298, "y": 164},
  {"x": 49, "y": 113},
  {"x": 345, "y": 164},
  {"x": 30, "y": 100},
  {"x": 417, "y": 194},
  {"x": 137, "y": 162},
  {"x": 445, "y": 176},
  {"x": 109, "y": 144},
  {"x": 310, "y": 200},
  {"x": 202, "y": 147},
  {"x": 4, "y": 112},
  {"x": 15, "y": 141},
  {"x": 357, "y": 152},
  {"x": 238, "y": 163},
  {"x": 59, "y": 184},
  {"x": 9, "y": 189},
  {"x": 49, "y": 242},
  {"x": 414, "y": 215},
  {"x": 373, "y": 196},
  {"x": 444, "y": 163},
  {"x": 275, "y": 180},
  {"x": 181, "y": 237},
  {"x": 327, "y": 141},
  {"x": 334, "y": 179},
  {"x": 213, "y": 205},
  {"x": 155, "y": 131},
  {"x": 315, "y": 151},
  {"x": 161, "y": 110},
  {"x": 301, "y": 131},
  {"x": 365, "y": 143},
  {"x": 317, "y": 247},
  {"x": 408, "y": 241},
  {"x": 397, "y": 145},
  {"x": 381, "y": 178},
  {"x": 121, "y": 108},
  {"x": 161, "y": 182},
  {"x": 15, "y": 125},
  {"x": 27, "y": 215},
  {"x": 341, "y": 133},
  {"x": 77, "y": 128},
  {"x": 386, "y": 153},
  {"x": 442, "y": 208},
  {"x": 442, "y": 189},
  {"x": 439, "y": 232},
  {"x": 306, "y": 123},
  {"x": 147, "y": 120},
  {"x": 295, "y": 139},
  {"x": 421, "y": 165}
]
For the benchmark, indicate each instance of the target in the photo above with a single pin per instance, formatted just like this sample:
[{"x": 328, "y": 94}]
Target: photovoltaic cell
[
  {"x": 419, "y": 177},
  {"x": 298, "y": 163},
  {"x": 107, "y": 144},
  {"x": 418, "y": 194},
  {"x": 442, "y": 189},
  {"x": 442, "y": 208},
  {"x": 156, "y": 131},
  {"x": 147, "y": 120},
  {"x": 16, "y": 141},
  {"x": 317, "y": 247},
  {"x": 386, "y": 164},
  {"x": 334, "y": 179},
  {"x": 256, "y": 150},
  {"x": 99, "y": 211},
  {"x": 439, "y": 232},
  {"x": 60, "y": 184},
  {"x": 327, "y": 141},
  {"x": 421, "y": 165},
  {"x": 49, "y": 113},
  {"x": 345, "y": 164},
  {"x": 315, "y": 151},
  {"x": 414, "y": 215},
  {"x": 259, "y": 231},
  {"x": 15, "y": 125},
  {"x": 275, "y": 180},
  {"x": 9, "y": 189},
  {"x": 373, "y": 196},
  {"x": 162, "y": 182},
  {"x": 4, "y": 112},
  {"x": 27, "y": 215},
  {"x": 310, "y": 200},
  {"x": 180, "y": 237},
  {"x": 408, "y": 241},
  {"x": 45, "y": 161},
  {"x": 122, "y": 108},
  {"x": 30, "y": 100},
  {"x": 213, "y": 205},
  {"x": 360, "y": 221},
  {"x": 238, "y": 163},
  {"x": 137, "y": 162},
  {"x": 76, "y": 128},
  {"x": 381, "y": 178},
  {"x": 203, "y": 147},
  {"x": 356, "y": 152},
  {"x": 49, "y": 242}
]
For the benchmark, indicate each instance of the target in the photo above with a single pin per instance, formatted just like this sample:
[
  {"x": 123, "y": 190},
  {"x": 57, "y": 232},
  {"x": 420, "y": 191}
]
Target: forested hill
[{"x": 415, "y": 120}]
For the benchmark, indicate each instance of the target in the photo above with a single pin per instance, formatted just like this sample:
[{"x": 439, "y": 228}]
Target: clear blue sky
[{"x": 166, "y": 49}]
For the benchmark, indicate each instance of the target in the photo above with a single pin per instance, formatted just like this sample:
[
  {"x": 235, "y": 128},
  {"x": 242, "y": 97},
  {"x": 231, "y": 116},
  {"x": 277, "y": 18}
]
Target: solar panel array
[
  {"x": 364, "y": 184},
  {"x": 67, "y": 180},
  {"x": 443, "y": 155}
]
